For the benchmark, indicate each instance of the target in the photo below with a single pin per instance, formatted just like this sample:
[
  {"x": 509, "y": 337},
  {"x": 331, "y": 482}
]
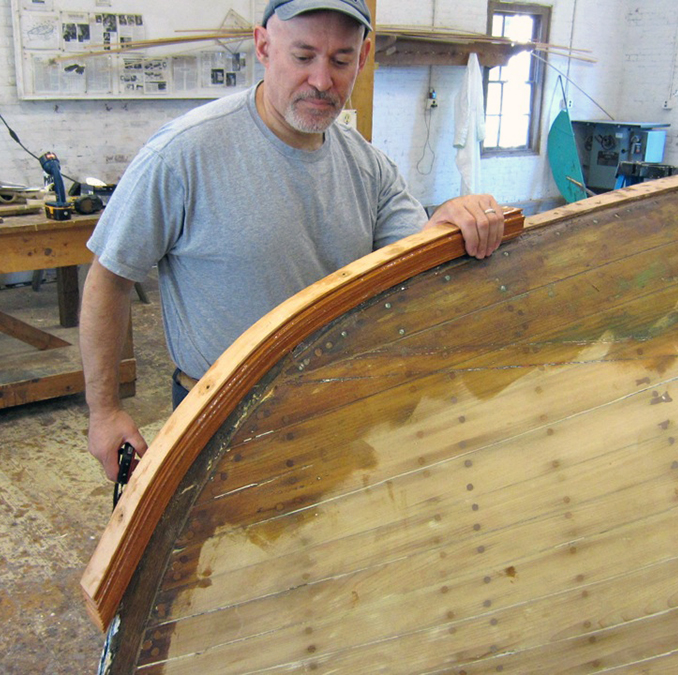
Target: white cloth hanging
[{"x": 469, "y": 127}]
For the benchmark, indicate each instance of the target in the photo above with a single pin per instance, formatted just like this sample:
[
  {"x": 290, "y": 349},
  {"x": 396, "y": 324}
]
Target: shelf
[{"x": 393, "y": 50}]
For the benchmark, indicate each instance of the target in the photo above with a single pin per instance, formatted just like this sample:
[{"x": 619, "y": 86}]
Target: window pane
[
  {"x": 513, "y": 92},
  {"x": 518, "y": 67},
  {"x": 514, "y": 130},
  {"x": 495, "y": 74},
  {"x": 491, "y": 131},
  {"x": 493, "y": 103},
  {"x": 519, "y": 27},
  {"x": 517, "y": 98}
]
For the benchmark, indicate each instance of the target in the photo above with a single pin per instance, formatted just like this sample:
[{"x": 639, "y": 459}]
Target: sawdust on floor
[{"x": 55, "y": 500}]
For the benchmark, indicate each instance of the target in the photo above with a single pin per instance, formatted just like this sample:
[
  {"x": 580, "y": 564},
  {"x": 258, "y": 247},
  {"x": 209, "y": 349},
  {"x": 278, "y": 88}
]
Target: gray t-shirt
[{"x": 238, "y": 221}]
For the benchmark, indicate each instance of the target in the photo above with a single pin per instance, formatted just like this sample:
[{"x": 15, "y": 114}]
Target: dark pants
[{"x": 179, "y": 393}]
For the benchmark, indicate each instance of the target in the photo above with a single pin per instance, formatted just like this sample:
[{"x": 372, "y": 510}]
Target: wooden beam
[
  {"x": 404, "y": 51},
  {"x": 69, "y": 295},
  {"x": 23, "y": 331},
  {"x": 58, "y": 372},
  {"x": 363, "y": 91}
]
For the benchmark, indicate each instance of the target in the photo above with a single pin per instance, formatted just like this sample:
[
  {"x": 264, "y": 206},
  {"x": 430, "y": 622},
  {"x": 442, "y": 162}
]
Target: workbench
[{"x": 50, "y": 366}]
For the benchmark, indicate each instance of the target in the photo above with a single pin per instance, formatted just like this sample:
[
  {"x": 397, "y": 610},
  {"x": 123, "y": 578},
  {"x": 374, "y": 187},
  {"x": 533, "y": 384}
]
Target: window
[{"x": 513, "y": 93}]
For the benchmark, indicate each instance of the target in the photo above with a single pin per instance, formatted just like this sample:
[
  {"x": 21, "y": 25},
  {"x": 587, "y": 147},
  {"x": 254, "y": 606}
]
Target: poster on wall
[{"x": 105, "y": 49}]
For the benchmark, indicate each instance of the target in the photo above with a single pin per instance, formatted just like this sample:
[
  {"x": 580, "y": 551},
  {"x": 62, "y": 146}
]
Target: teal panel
[{"x": 564, "y": 159}]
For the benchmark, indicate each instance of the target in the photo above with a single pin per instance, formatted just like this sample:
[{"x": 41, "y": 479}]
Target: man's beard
[{"x": 310, "y": 123}]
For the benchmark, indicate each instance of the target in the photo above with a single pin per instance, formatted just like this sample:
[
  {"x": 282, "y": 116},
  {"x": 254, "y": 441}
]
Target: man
[{"x": 245, "y": 201}]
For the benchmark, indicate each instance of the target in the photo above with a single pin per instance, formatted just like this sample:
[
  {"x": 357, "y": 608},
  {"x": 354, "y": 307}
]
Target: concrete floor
[{"x": 55, "y": 500}]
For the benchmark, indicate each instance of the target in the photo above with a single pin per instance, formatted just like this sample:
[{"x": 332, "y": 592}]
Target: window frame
[{"x": 537, "y": 73}]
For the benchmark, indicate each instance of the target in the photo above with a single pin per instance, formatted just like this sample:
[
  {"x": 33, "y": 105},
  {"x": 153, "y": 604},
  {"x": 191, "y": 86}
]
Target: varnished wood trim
[
  {"x": 230, "y": 378},
  {"x": 622, "y": 197}
]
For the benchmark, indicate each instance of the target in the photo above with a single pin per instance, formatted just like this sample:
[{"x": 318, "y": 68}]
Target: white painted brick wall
[
  {"x": 635, "y": 42},
  {"x": 598, "y": 25},
  {"x": 650, "y": 67},
  {"x": 91, "y": 138}
]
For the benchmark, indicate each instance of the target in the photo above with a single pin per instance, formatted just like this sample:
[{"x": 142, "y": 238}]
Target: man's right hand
[
  {"x": 107, "y": 432},
  {"x": 104, "y": 323}
]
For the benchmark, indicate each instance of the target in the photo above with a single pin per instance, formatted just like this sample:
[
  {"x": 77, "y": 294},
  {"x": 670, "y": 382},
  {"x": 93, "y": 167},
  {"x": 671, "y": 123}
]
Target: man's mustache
[{"x": 318, "y": 96}]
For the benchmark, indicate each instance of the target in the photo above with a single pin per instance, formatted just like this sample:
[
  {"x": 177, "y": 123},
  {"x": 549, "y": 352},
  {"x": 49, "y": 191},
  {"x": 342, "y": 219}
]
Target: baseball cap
[{"x": 287, "y": 9}]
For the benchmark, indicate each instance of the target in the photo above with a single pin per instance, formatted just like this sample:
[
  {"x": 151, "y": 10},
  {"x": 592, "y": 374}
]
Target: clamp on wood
[{"x": 125, "y": 458}]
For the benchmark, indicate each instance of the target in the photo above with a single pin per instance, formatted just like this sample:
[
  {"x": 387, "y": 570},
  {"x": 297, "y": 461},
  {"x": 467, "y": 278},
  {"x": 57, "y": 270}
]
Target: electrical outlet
[
  {"x": 349, "y": 117},
  {"x": 668, "y": 105}
]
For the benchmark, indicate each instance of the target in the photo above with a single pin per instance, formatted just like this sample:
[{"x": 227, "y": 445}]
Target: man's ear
[
  {"x": 262, "y": 43},
  {"x": 364, "y": 53}
]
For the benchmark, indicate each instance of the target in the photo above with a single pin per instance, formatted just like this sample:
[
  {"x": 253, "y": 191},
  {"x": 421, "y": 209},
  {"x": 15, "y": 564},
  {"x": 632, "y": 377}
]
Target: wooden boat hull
[{"x": 472, "y": 471}]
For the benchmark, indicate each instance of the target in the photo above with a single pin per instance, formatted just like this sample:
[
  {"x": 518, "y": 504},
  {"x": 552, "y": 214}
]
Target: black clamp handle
[{"x": 125, "y": 458}]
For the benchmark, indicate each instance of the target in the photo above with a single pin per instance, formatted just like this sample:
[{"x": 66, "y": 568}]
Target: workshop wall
[
  {"x": 91, "y": 138},
  {"x": 650, "y": 86},
  {"x": 633, "y": 40},
  {"x": 402, "y": 124}
]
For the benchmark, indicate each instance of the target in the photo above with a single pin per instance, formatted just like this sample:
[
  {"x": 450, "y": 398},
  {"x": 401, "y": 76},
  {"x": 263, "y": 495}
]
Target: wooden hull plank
[
  {"x": 440, "y": 428},
  {"x": 642, "y": 494},
  {"x": 341, "y": 541},
  {"x": 512, "y": 272},
  {"x": 475, "y": 471},
  {"x": 510, "y": 346},
  {"x": 513, "y": 583},
  {"x": 505, "y": 323}
]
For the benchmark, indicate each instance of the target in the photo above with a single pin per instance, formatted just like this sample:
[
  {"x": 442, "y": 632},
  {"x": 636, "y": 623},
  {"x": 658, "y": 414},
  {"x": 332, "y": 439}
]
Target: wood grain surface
[
  {"x": 475, "y": 470},
  {"x": 32, "y": 242},
  {"x": 231, "y": 377}
]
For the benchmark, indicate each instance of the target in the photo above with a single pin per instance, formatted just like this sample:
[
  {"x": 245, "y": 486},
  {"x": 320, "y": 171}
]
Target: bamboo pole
[{"x": 431, "y": 34}]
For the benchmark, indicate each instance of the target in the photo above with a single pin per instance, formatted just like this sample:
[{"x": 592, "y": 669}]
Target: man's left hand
[{"x": 480, "y": 219}]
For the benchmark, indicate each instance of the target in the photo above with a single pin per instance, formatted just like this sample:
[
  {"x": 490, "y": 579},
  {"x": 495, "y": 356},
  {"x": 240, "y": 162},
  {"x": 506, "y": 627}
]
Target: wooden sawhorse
[{"x": 53, "y": 367}]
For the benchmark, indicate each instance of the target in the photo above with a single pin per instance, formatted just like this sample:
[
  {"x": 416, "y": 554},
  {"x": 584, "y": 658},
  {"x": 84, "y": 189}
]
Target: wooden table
[{"x": 53, "y": 366}]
